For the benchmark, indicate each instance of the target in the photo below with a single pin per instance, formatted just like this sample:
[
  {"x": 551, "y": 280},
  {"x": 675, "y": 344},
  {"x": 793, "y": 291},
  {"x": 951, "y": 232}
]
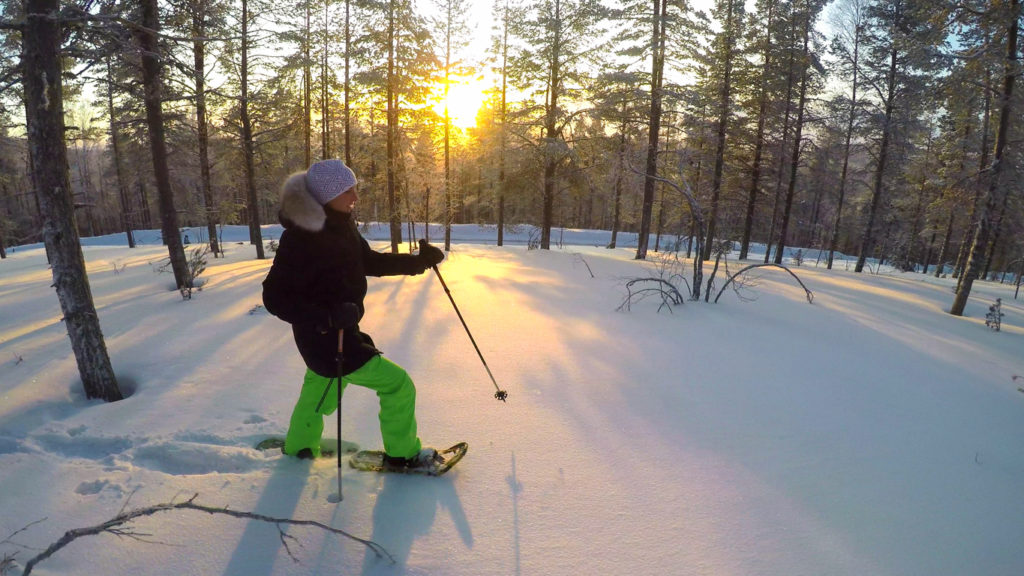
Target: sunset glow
[{"x": 465, "y": 97}]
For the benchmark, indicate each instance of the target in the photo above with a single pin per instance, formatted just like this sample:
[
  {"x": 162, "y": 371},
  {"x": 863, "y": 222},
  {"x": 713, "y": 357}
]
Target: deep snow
[{"x": 867, "y": 433}]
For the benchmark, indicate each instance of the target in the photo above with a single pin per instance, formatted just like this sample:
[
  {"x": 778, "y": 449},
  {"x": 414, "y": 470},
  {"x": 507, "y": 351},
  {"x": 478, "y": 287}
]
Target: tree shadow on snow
[{"x": 406, "y": 509}]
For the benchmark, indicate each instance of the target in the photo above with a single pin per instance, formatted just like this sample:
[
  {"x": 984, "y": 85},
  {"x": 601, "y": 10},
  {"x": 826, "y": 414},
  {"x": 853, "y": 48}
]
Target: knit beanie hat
[{"x": 328, "y": 179}]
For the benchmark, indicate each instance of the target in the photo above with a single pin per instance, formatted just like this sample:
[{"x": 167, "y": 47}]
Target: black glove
[
  {"x": 430, "y": 255},
  {"x": 344, "y": 315}
]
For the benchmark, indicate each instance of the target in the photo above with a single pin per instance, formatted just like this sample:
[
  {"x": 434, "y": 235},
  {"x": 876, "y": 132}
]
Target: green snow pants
[{"x": 319, "y": 397}]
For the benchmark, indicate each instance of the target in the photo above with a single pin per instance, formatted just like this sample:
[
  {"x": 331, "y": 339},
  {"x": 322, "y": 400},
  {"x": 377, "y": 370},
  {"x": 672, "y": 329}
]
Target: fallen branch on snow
[
  {"x": 116, "y": 527},
  {"x": 669, "y": 294},
  {"x": 809, "y": 294}
]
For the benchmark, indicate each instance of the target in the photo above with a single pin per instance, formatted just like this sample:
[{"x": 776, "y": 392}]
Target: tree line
[{"x": 884, "y": 129}]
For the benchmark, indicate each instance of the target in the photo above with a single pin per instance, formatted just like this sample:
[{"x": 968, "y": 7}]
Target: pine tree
[
  {"x": 248, "y": 143},
  {"x": 846, "y": 45},
  {"x": 201, "y": 20},
  {"x": 730, "y": 14},
  {"x": 44, "y": 111},
  {"x": 808, "y": 14},
  {"x": 499, "y": 52},
  {"x": 398, "y": 66},
  {"x": 152, "y": 69},
  {"x": 557, "y": 37},
  {"x": 115, "y": 148},
  {"x": 765, "y": 46},
  {"x": 899, "y": 61},
  {"x": 454, "y": 32},
  {"x": 1009, "y": 13}
]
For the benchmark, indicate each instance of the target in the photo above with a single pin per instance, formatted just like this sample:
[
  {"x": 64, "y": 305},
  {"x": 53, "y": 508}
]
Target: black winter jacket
[{"x": 323, "y": 260}]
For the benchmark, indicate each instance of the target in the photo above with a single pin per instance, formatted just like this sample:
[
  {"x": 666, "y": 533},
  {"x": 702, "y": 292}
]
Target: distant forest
[{"x": 883, "y": 129}]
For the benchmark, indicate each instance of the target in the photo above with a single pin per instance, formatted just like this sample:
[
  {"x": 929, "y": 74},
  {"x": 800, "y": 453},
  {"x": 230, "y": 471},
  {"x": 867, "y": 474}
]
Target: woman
[{"x": 317, "y": 284}]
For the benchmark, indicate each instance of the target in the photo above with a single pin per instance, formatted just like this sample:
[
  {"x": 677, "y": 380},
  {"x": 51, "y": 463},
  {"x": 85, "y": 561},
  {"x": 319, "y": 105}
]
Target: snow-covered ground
[{"x": 867, "y": 433}]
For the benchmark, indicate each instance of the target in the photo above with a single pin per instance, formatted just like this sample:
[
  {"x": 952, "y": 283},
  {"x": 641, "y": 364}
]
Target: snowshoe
[
  {"x": 328, "y": 447},
  {"x": 428, "y": 462}
]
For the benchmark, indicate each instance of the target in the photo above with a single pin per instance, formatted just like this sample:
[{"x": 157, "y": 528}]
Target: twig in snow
[
  {"x": 7, "y": 562},
  {"x": 10, "y": 539},
  {"x": 114, "y": 526},
  {"x": 579, "y": 256}
]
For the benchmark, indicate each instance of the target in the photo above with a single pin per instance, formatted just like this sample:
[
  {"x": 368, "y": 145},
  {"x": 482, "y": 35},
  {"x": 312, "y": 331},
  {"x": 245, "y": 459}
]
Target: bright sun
[{"x": 465, "y": 97}]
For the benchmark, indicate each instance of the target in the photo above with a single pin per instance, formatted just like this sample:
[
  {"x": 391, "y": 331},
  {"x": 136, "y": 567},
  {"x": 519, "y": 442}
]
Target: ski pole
[
  {"x": 341, "y": 337},
  {"x": 500, "y": 394}
]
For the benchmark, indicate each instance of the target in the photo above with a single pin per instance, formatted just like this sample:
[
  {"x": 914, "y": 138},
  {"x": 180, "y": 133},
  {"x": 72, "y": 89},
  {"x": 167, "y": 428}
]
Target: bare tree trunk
[
  {"x": 392, "y": 127},
  {"x": 44, "y": 112},
  {"x": 248, "y": 147},
  {"x": 983, "y": 231},
  {"x": 617, "y": 208},
  {"x": 944, "y": 251},
  {"x": 3, "y": 196},
  {"x": 997, "y": 226},
  {"x": 755, "y": 172},
  {"x": 797, "y": 140},
  {"x": 723, "y": 121},
  {"x": 779, "y": 172},
  {"x": 834, "y": 242},
  {"x": 660, "y": 221},
  {"x": 965, "y": 243},
  {"x": 868, "y": 242},
  {"x": 307, "y": 98},
  {"x": 916, "y": 226},
  {"x": 348, "y": 114},
  {"x": 551, "y": 131},
  {"x": 325, "y": 104},
  {"x": 426, "y": 214},
  {"x": 122, "y": 186},
  {"x": 658, "y": 18},
  {"x": 203, "y": 136},
  {"x": 504, "y": 134},
  {"x": 447, "y": 132},
  {"x": 151, "y": 79}
]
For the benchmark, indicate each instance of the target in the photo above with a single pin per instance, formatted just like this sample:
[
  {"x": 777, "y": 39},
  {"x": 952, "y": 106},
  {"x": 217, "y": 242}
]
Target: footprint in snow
[
  {"x": 80, "y": 446},
  {"x": 90, "y": 488},
  {"x": 186, "y": 459},
  {"x": 100, "y": 486},
  {"x": 10, "y": 445}
]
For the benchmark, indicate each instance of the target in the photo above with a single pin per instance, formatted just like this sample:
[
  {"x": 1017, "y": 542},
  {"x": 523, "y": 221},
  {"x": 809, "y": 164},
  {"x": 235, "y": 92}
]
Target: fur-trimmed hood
[{"x": 298, "y": 207}]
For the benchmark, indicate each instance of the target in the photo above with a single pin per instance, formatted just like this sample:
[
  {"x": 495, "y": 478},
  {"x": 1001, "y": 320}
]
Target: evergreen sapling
[{"x": 994, "y": 318}]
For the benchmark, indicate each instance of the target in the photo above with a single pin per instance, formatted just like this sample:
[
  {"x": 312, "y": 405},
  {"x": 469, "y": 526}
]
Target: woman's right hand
[{"x": 429, "y": 254}]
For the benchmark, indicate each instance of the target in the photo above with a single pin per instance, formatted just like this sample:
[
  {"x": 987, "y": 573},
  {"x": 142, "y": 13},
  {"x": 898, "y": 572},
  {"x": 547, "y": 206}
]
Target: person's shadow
[
  {"x": 405, "y": 510},
  {"x": 280, "y": 499}
]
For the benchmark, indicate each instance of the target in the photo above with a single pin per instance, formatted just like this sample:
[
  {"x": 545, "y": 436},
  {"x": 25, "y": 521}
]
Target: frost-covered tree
[
  {"x": 557, "y": 38},
  {"x": 1009, "y": 14}
]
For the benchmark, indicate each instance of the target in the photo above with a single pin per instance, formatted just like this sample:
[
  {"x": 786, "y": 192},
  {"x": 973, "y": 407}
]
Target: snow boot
[{"x": 426, "y": 461}]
